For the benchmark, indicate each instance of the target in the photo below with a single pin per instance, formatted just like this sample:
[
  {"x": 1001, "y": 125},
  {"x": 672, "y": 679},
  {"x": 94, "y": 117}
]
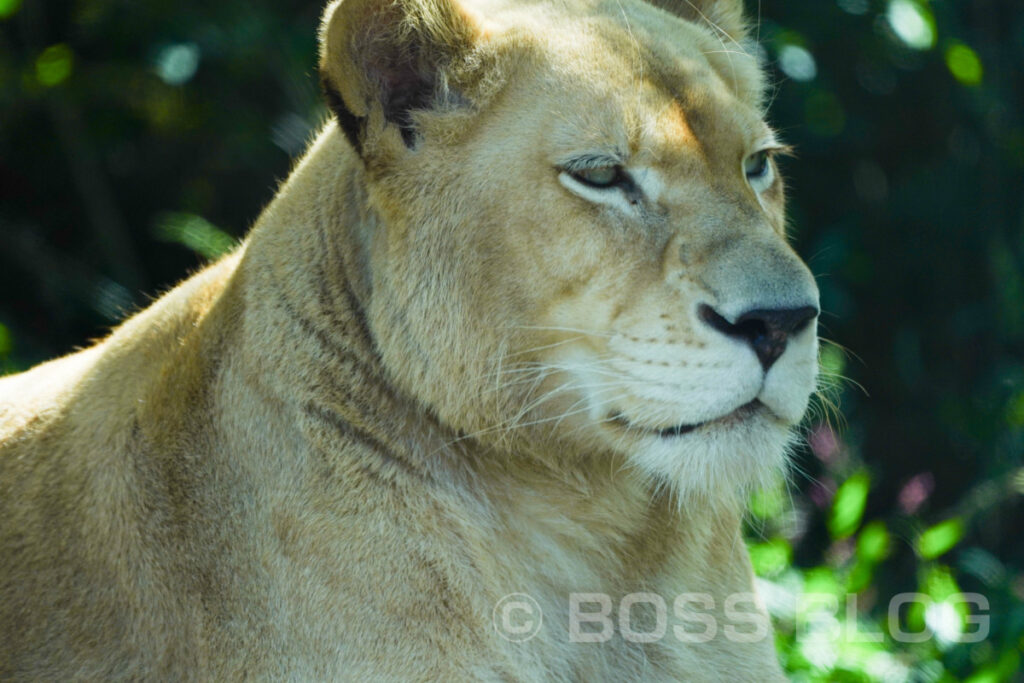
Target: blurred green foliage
[
  {"x": 139, "y": 139},
  {"x": 907, "y": 198},
  {"x": 193, "y": 232}
]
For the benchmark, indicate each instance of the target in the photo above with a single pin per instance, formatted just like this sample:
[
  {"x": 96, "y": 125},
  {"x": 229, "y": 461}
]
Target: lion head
[{"x": 575, "y": 241}]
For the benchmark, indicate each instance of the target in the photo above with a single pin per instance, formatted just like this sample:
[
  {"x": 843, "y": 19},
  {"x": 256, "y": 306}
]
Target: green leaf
[
  {"x": 848, "y": 505},
  {"x": 821, "y": 580},
  {"x": 53, "y": 66},
  {"x": 964, "y": 64},
  {"x": 873, "y": 546},
  {"x": 873, "y": 542},
  {"x": 9, "y": 7},
  {"x": 832, "y": 360},
  {"x": 938, "y": 583},
  {"x": 860, "y": 576},
  {"x": 771, "y": 557},
  {"x": 194, "y": 232},
  {"x": 768, "y": 502},
  {"x": 940, "y": 538}
]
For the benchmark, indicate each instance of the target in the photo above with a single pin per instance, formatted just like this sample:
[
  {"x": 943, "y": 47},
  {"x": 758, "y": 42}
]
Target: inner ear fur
[
  {"x": 725, "y": 16},
  {"x": 382, "y": 59}
]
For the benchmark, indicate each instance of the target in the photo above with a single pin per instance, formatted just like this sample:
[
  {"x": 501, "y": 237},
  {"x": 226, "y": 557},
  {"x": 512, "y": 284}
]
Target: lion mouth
[{"x": 737, "y": 415}]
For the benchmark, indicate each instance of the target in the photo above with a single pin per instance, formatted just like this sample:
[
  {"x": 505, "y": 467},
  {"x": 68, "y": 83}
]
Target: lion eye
[
  {"x": 599, "y": 176},
  {"x": 758, "y": 169},
  {"x": 756, "y": 165}
]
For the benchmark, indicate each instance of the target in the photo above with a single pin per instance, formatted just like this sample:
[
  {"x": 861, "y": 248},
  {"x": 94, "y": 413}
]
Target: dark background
[{"x": 138, "y": 140}]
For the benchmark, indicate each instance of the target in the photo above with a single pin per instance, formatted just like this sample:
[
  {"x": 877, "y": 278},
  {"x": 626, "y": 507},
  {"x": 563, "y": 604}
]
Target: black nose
[{"x": 766, "y": 330}]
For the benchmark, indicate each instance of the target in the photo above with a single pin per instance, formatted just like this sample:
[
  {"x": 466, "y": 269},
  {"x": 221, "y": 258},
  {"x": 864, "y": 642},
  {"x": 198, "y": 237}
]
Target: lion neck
[{"x": 305, "y": 295}]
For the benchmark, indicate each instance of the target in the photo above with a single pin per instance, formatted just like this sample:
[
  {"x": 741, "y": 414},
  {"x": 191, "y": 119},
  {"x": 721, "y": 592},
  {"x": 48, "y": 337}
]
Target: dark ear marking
[
  {"x": 351, "y": 125},
  {"x": 400, "y": 96},
  {"x": 404, "y": 87},
  {"x": 382, "y": 61}
]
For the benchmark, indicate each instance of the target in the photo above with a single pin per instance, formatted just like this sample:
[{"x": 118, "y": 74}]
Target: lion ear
[
  {"x": 724, "y": 16},
  {"x": 382, "y": 59}
]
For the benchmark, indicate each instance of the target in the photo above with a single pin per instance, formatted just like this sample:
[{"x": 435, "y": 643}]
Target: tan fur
[{"x": 424, "y": 380}]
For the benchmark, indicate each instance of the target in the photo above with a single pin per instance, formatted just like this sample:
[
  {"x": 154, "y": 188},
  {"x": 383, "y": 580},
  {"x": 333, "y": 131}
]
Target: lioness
[{"x": 523, "y": 320}]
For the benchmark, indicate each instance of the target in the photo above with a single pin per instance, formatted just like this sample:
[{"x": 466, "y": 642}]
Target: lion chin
[
  {"x": 521, "y": 326},
  {"x": 735, "y": 454}
]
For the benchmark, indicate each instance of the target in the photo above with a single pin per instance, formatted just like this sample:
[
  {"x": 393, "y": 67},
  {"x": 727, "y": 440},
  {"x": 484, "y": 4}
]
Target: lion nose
[{"x": 766, "y": 330}]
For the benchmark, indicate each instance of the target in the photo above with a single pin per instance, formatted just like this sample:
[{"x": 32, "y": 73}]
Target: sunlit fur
[{"x": 434, "y": 374}]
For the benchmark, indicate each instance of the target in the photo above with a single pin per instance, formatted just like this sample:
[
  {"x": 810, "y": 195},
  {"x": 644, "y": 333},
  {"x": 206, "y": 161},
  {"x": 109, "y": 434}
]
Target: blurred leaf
[
  {"x": 832, "y": 360},
  {"x": 1005, "y": 669},
  {"x": 6, "y": 341},
  {"x": 771, "y": 557},
  {"x": 873, "y": 542},
  {"x": 940, "y": 538},
  {"x": 53, "y": 66},
  {"x": 964, "y": 64},
  {"x": 848, "y": 505},
  {"x": 9, "y": 7},
  {"x": 821, "y": 581},
  {"x": 768, "y": 501},
  {"x": 860, "y": 576},
  {"x": 1015, "y": 411},
  {"x": 194, "y": 232}
]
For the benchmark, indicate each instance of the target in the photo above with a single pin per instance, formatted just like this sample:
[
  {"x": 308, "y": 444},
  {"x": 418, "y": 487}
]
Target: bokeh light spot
[
  {"x": 854, "y": 6},
  {"x": 912, "y": 22},
  {"x": 797, "y": 63},
  {"x": 824, "y": 443},
  {"x": 176, "y": 64},
  {"x": 944, "y": 621},
  {"x": 1018, "y": 480},
  {"x": 915, "y": 492}
]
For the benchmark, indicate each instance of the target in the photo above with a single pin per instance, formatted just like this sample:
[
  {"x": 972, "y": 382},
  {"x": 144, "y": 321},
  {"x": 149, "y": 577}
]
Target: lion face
[{"x": 580, "y": 244}]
